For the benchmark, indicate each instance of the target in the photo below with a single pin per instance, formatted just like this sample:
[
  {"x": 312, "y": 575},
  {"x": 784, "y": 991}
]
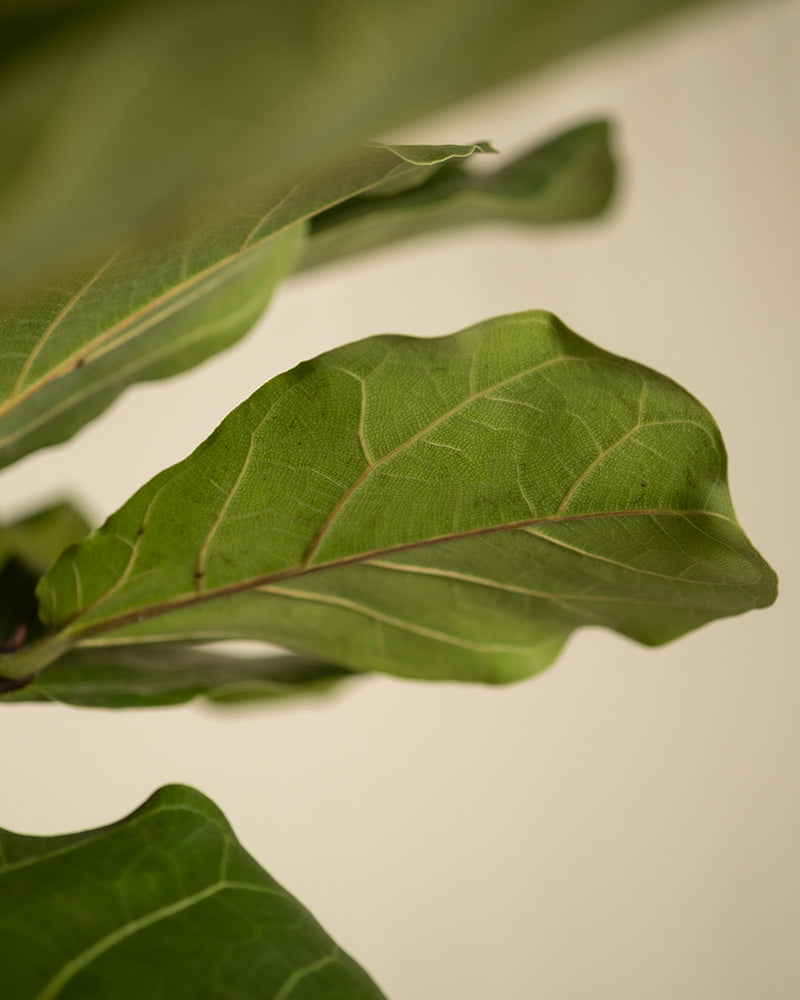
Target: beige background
[{"x": 627, "y": 825}]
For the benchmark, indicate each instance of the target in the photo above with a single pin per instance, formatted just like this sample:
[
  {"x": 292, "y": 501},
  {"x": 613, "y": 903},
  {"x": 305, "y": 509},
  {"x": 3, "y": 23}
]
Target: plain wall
[{"x": 627, "y": 825}]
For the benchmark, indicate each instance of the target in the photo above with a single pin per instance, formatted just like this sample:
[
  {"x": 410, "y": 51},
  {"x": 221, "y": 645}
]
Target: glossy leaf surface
[
  {"x": 448, "y": 508},
  {"x": 567, "y": 179},
  {"x": 164, "y": 903},
  {"x": 147, "y": 676},
  {"x": 122, "y": 119},
  {"x": 67, "y": 352}
]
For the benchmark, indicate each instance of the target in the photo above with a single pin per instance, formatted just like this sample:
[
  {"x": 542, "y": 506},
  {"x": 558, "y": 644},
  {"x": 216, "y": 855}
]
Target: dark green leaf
[
  {"x": 27, "y": 548},
  {"x": 145, "y": 676},
  {"x": 38, "y": 538},
  {"x": 569, "y": 178},
  {"x": 448, "y": 508},
  {"x": 124, "y": 118},
  {"x": 164, "y": 903},
  {"x": 69, "y": 351}
]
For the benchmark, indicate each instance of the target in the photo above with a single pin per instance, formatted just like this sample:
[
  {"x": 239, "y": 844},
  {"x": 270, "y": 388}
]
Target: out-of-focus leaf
[
  {"x": 151, "y": 675},
  {"x": 68, "y": 352},
  {"x": 27, "y": 548},
  {"x": 163, "y": 903},
  {"x": 450, "y": 509},
  {"x": 37, "y": 539},
  {"x": 569, "y": 178},
  {"x": 122, "y": 119}
]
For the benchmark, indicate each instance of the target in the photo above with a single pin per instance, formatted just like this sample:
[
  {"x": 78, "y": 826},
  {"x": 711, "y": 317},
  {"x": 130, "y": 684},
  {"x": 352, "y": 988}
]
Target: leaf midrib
[
  {"x": 143, "y": 613},
  {"x": 79, "y": 962},
  {"x": 98, "y": 386},
  {"x": 248, "y": 247},
  {"x": 169, "y": 300}
]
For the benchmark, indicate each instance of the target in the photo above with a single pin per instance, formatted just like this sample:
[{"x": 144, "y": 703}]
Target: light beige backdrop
[{"x": 625, "y": 826}]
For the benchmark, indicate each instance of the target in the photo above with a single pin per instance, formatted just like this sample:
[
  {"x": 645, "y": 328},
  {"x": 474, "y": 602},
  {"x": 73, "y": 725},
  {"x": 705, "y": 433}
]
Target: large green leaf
[
  {"x": 448, "y": 508},
  {"x": 123, "y": 118},
  {"x": 146, "y": 676},
  {"x": 28, "y": 547},
  {"x": 69, "y": 351},
  {"x": 164, "y": 903},
  {"x": 569, "y": 178}
]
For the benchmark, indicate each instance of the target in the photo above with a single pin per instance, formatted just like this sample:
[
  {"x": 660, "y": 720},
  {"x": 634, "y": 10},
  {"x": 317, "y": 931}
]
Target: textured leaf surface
[
  {"x": 114, "y": 123},
  {"x": 569, "y": 178},
  {"x": 67, "y": 352},
  {"x": 148, "y": 676},
  {"x": 164, "y": 903},
  {"x": 448, "y": 508}
]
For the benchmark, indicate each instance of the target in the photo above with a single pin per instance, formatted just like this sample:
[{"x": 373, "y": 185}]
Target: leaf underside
[
  {"x": 448, "y": 508},
  {"x": 69, "y": 350},
  {"x": 165, "y": 903},
  {"x": 148, "y": 676},
  {"x": 101, "y": 99},
  {"x": 567, "y": 179}
]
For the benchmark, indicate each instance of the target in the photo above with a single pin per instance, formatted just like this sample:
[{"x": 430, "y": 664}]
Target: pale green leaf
[
  {"x": 447, "y": 508},
  {"x": 163, "y": 903},
  {"x": 67, "y": 352},
  {"x": 123, "y": 119},
  {"x": 569, "y": 178},
  {"x": 145, "y": 676}
]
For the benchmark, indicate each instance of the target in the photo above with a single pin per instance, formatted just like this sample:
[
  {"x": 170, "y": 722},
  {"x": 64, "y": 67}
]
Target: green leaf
[
  {"x": 69, "y": 351},
  {"x": 27, "y": 548},
  {"x": 569, "y": 178},
  {"x": 37, "y": 539},
  {"x": 450, "y": 508},
  {"x": 146, "y": 676},
  {"x": 128, "y": 119},
  {"x": 166, "y": 903}
]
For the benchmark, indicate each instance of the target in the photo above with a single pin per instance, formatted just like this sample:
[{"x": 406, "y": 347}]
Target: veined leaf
[
  {"x": 146, "y": 676},
  {"x": 115, "y": 127},
  {"x": 448, "y": 508},
  {"x": 27, "y": 548},
  {"x": 69, "y": 351},
  {"x": 569, "y": 178},
  {"x": 165, "y": 902}
]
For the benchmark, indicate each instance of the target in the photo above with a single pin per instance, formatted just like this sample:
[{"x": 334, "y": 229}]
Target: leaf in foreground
[
  {"x": 138, "y": 315},
  {"x": 568, "y": 178},
  {"x": 448, "y": 508},
  {"x": 146, "y": 676},
  {"x": 166, "y": 903}
]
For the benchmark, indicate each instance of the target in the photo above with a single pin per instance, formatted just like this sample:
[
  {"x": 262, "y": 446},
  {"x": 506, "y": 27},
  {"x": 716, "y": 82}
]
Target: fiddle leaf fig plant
[
  {"x": 170, "y": 880},
  {"x": 449, "y": 508}
]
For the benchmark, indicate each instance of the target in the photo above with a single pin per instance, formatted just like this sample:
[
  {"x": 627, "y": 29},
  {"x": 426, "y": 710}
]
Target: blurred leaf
[
  {"x": 27, "y": 548},
  {"x": 569, "y": 178},
  {"x": 38, "y": 538},
  {"x": 165, "y": 903},
  {"x": 69, "y": 351},
  {"x": 450, "y": 509},
  {"x": 129, "y": 119},
  {"x": 165, "y": 674}
]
